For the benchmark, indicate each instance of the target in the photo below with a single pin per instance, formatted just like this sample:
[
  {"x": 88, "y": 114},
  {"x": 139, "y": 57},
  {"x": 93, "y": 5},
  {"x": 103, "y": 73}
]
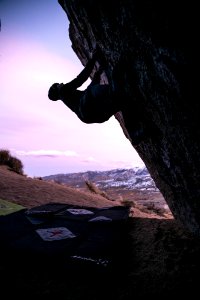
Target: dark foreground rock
[{"x": 150, "y": 53}]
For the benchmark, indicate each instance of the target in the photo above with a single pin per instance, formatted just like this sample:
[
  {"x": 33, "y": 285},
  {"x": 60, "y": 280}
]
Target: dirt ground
[{"x": 157, "y": 258}]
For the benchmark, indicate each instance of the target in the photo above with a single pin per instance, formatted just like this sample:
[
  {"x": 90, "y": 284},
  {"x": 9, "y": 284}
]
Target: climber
[{"x": 96, "y": 104}]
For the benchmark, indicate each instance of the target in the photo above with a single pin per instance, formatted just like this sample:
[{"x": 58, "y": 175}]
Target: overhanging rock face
[{"x": 152, "y": 48}]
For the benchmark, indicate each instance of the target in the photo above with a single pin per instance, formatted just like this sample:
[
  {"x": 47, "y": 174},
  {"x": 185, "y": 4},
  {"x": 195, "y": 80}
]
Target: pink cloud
[{"x": 48, "y": 153}]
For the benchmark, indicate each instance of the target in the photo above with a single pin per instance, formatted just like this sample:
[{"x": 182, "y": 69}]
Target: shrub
[
  {"x": 14, "y": 163},
  {"x": 94, "y": 189},
  {"x": 4, "y": 156}
]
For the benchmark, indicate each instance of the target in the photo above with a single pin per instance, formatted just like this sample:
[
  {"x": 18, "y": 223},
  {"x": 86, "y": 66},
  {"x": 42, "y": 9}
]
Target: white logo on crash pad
[
  {"x": 79, "y": 211},
  {"x": 55, "y": 234}
]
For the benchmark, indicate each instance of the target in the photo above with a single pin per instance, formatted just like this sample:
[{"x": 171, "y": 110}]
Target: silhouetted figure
[{"x": 96, "y": 104}]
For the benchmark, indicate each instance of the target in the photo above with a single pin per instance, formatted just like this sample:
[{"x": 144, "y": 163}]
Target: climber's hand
[{"x": 98, "y": 56}]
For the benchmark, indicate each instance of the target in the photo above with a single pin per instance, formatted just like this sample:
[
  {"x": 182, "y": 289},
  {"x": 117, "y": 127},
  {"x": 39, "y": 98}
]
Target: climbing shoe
[{"x": 54, "y": 91}]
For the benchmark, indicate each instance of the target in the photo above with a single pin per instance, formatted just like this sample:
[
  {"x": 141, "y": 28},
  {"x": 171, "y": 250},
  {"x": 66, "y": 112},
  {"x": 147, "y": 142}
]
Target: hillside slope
[{"x": 31, "y": 192}]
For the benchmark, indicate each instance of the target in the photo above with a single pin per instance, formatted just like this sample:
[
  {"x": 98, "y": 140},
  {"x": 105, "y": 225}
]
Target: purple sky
[{"x": 47, "y": 136}]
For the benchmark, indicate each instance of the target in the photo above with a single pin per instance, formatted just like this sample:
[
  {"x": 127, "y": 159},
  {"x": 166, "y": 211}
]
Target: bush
[
  {"x": 4, "y": 157},
  {"x": 14, "y": 163},
  {"x": 94, "y": 189}
]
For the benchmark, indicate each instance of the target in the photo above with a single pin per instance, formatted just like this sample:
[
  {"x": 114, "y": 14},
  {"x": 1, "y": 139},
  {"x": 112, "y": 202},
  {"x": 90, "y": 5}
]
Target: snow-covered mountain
[{"x": 129, "y": 179}]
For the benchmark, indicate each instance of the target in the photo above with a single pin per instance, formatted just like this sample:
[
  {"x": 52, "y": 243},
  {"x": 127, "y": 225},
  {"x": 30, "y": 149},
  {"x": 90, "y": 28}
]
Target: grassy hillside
[{"x": 31, "y": 192}]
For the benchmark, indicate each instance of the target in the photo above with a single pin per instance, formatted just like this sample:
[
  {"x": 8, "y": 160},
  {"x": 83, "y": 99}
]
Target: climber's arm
[
  {"x": 84, "y": 75},
  {"x": 97, "y": 77}
]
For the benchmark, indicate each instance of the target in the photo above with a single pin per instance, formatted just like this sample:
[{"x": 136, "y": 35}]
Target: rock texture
[{"x": 151, "y": 55}]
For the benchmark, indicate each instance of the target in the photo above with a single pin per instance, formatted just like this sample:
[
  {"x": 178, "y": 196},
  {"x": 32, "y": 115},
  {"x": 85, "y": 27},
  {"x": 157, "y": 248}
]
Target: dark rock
[{"x": 150, "y": 53}]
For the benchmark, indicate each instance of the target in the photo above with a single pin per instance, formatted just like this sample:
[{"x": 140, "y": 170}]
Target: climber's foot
[{"x": 54, "y": 91}]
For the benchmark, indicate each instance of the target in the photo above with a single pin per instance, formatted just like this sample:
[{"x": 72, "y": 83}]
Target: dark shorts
[{"x": 97, "y": 104}]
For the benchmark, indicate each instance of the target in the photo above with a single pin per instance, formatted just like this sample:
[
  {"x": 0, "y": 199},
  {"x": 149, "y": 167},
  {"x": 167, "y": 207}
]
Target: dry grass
[
  {"x": 31, "y": 192},
  {"x": 94, "y": 189}
]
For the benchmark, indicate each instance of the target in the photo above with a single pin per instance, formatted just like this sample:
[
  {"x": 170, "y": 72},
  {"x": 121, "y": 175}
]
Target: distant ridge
[{"x": 133, "y": 178}]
